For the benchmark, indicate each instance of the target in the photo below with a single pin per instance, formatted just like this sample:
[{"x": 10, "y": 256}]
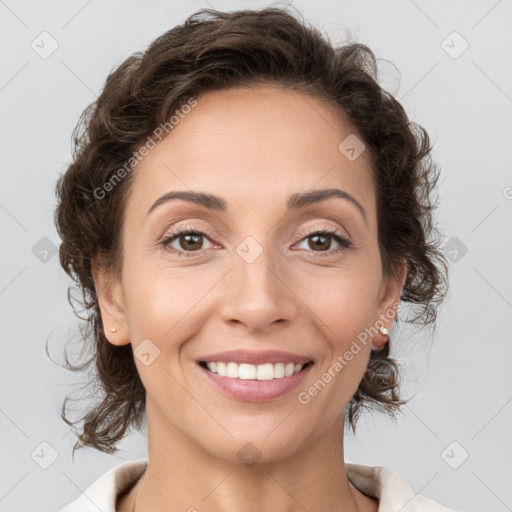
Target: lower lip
[{"x": 256, "y": 390}]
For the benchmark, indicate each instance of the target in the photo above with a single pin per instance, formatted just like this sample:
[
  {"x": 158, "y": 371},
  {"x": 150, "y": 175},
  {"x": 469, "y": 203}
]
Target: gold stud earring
[
  {"x": 113, "y": 329},
  {"x": 383, "y": 330}
]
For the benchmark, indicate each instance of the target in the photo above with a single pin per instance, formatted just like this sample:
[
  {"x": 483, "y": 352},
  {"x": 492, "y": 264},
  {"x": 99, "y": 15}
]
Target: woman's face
[{"x": 256, "y": 279}]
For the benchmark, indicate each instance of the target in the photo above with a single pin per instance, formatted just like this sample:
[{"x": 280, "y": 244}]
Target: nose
[{"x": 257, "y": 295}]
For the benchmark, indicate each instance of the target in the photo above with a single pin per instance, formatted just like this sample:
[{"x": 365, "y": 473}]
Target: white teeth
[
  {"x": 265, "y": 371},
  {"x": 279, "y": 370},
  {"x": 232, "y": 370},
  {"x": 244, "y": 371}
]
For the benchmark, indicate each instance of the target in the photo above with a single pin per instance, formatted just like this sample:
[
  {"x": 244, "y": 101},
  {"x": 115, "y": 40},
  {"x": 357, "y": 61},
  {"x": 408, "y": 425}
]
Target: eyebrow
[{"x": 295, "y": 201}]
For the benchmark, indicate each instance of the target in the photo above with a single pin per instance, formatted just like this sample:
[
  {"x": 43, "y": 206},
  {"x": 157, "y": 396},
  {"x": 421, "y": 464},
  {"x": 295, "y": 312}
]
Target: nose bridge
[{"x": 256, "y": 295}]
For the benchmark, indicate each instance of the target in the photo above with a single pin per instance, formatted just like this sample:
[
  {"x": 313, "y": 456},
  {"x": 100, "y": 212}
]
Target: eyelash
[{"x": 190, "y": 230}]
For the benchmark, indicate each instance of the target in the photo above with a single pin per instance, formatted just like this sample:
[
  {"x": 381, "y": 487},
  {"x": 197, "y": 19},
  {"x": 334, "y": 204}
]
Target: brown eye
[
  {"x": 185, "y": 241},
  {"x": 191, "y": 242},
  {"x": 321, "y": 241}
]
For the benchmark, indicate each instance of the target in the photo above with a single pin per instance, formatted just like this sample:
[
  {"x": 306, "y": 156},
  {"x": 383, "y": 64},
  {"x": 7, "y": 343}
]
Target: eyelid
[
  {"x": 174, "y": 233},
  {"x": 319, "y": 228},
  {"x": 187, "y": 227}
]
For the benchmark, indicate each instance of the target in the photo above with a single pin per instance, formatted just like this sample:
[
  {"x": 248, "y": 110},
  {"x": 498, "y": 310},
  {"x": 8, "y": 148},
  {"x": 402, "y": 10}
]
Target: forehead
[{"x": 262, "y": 143}]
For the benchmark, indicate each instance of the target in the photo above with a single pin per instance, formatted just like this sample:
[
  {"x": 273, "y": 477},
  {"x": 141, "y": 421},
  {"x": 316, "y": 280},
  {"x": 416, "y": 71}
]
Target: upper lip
[{"x": 248, "y": 357}]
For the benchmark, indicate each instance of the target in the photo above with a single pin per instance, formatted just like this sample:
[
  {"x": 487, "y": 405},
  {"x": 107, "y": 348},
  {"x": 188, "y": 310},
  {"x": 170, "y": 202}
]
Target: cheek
[
  {"x": 160, "y": 299},
  {"x": 344, "y": 307},
  {"x": 343, "y": 301},
  {"x": 162, "y": 313},
  {"x": 345, "y": 351}
]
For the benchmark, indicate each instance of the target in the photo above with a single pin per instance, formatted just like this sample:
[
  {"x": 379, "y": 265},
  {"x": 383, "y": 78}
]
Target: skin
[{"x": 253, "y": 147}]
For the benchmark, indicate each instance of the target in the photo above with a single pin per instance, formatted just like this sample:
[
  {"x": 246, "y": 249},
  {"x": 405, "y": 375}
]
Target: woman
[{"x": 245, "y": 211}]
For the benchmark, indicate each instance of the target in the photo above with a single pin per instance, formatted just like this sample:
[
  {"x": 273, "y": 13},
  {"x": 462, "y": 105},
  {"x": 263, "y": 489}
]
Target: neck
[{"x": 182, "y": 476}]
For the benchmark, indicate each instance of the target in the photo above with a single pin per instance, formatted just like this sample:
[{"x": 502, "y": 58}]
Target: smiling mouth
[{"x": 245, "y": 371}]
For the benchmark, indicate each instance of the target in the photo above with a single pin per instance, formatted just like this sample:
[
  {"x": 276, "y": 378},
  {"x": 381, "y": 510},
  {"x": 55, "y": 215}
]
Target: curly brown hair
[{"x": 211, "y": 51}]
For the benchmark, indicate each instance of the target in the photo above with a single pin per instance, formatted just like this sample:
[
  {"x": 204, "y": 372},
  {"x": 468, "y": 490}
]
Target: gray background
[{"x": 461, "y": 382}]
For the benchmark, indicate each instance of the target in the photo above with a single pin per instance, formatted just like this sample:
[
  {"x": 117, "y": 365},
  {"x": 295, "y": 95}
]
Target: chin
[{"x": 260, "y": 442}]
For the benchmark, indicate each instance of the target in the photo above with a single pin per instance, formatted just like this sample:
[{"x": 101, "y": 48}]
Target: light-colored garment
[{"x": 379, "y": 482}]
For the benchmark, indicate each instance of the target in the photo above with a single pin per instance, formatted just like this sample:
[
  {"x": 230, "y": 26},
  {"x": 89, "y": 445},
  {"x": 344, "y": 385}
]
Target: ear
[
  {"x": 109, "y": 291},
  {"x": 389, "y": 298}
]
